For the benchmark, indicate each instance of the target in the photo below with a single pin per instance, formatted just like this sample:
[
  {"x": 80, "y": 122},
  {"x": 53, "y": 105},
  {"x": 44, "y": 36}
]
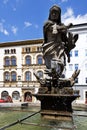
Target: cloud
[
  {"x": 3, "y": 20},
  {"x": 3, "y": 30},
  {"x": 5, "y": 1},
  {"x": 36, "y": 26},
  {"x": 14, "y": 29},
  {"x": 14, "y": 8},
  {"x": 54, "y": 1},
  {"x": 69, "y": 17},
  {"x": 64, "y": 0},
  {"x": 27, "y": 24},
  {"x": 69, "y": 13}
]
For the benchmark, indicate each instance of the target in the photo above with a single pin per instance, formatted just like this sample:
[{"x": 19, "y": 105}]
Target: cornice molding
[{"x": 21, "y": 43}]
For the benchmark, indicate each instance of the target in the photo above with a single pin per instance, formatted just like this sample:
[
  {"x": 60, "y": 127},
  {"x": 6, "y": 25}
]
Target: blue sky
[{"x": 24, "y": 19}]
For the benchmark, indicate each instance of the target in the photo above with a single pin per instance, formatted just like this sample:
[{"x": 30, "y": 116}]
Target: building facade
[
  {"x": 79, "y": 61},
  {"x": 19, "y": 60}
]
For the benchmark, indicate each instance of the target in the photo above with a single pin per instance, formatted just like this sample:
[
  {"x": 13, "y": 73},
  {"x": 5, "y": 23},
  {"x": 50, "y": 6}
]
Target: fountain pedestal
[
  {"x": 56, "y": 106},
  {"x": 56, "y": 97}
]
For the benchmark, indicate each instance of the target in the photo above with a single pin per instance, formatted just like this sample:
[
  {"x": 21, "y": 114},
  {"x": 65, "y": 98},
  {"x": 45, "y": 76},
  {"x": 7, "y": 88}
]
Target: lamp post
[{"x": 19, "y": 78}]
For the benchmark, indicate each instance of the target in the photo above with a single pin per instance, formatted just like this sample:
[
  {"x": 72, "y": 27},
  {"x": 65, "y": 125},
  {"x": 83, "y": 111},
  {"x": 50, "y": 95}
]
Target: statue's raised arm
[
  {"x": 57, "y": 45},
  {"x": 58, "y": 42},
  {"x": 56, "y": 92}
]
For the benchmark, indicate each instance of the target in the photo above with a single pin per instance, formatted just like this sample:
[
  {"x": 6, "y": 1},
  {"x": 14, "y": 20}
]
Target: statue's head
[{"x": 55, "y": 14}]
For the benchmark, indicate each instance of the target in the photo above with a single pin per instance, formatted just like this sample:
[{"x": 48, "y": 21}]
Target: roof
[
  {"x": 79, "y": 28},
  {"x": 20, "y": 43}
]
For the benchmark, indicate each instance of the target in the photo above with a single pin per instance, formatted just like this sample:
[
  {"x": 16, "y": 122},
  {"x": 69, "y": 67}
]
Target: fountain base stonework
[
  {"x": 56, "y": 106},
  {"x": 56, "y": 96}
]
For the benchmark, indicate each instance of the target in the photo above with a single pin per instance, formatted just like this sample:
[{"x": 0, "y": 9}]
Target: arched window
[
  {"x": 28, "y": 76},
  {"x": 27, "y": 60},
  {"x": 13, "y": 76},
  {"x": 7, "y": 61},
  {"x": 39, "y": 59},
  {"x": 6, "y": 76},
  {"x": 28, "y": 97},
  {"x": 13, "y": 61},
  {"x": 15, "y": 95},
  {"x": 4, "y": 95},
  {"x": 40, "y": 74}
]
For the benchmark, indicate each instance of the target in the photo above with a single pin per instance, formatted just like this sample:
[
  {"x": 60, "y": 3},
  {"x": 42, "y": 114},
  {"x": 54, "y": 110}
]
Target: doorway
[{"x": 28, "y": 97}]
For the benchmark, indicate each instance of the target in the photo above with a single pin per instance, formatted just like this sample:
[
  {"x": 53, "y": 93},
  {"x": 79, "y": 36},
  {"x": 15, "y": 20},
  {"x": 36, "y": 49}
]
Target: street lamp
[{"x": 19, "y": 78}]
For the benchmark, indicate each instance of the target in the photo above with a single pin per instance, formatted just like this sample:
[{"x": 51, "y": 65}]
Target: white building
[
  {"x": 79, "y": 61},
  {"x": 18, "y": 61}
]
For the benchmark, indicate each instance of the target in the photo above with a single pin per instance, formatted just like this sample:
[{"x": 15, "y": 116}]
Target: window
[
  {"x": 76, "y": 80},
  {"x": 13, "y": 61},
  {"x": 85, "y": 52},
  {"x": 70, "y": 53},
  {"x": 13, "y": 51},
  {"x": 86, "y": 97},
  {"x": 86, "y": 80},
  {"x": 28, "y": 60},
  {"x": 70, "y": 67},
  {"x": 86, "y": 66},
  {"x": 10, "y": 61},
  {"x": 28, "y": 97},
  {"x": 16, "y": 95},
  {"x": 40, "y": 74},
  {"x": 13, "y": 76},
  {"x": 6, "y": 51},
  {"x": 76, "y": 66},
  {"x": 7, "y": 76},
  {"x": 76, "y": 53},
  {"x": 7, "y": 61},
  {"x": 39, "y": 59},
  {"x": 28, "y": 76},
  {"x": 39, "y": 48},
  {"x": 27, "y": 49},
  {"x": 4, "y": 95}
]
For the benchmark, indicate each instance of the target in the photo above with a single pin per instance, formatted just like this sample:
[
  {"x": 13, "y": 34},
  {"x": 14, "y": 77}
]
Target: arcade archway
[
  {"x": 4, "y": 95},
  {"x": 28, "y": 97}
]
